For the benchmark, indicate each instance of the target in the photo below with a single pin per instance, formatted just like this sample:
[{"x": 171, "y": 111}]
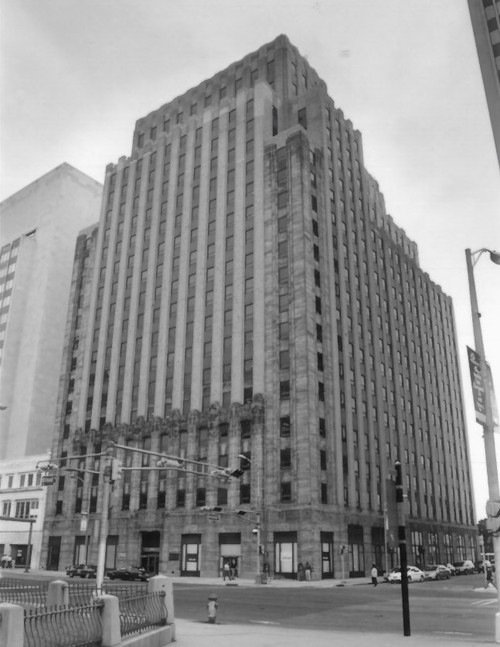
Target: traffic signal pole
[
  {"x": 103, "y": 533},
  {"x": 402, "y": 550}
]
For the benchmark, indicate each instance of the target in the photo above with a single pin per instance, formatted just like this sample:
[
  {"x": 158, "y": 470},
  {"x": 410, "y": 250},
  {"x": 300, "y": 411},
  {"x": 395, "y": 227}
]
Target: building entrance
[
  {"x": 327, "y": 555},
  {"x": 285, "y": 554},
  {"x": 190, "y": 555},
  {"x": 150, "y": 551}
]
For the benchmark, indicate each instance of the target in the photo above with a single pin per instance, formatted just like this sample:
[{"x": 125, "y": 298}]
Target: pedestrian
[
  {"x": 308, "y": 571},
  {"x": 300, "y": 572},
  {"x": 374, "y": 574},
  {"x": 226, "y": 571},
  {"x": 232, "y": 567}
]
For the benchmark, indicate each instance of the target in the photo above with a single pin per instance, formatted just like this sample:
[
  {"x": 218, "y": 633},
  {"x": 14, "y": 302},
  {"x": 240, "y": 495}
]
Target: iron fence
[
  {"x": 142, "y": 612},
  {"x": 84, "y": 592},
  {"x": 25, "y": 593},
  {"x": 64, "y": 626},
  {"x": 125, "y": 590}
]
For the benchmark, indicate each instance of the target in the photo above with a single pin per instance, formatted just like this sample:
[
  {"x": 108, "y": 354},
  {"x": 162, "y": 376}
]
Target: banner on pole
[{"x": 479, "y": 389}]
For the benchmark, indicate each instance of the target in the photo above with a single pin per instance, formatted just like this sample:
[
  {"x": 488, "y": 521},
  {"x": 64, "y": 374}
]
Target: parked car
[
  {"x": 82, "y": 570},
  {"x": 451, "y": 568},
  {"x": 131, "y": 573},
  {"x": 465, "y": 567},
  {"x": 437, "y": 572},
  {"x": 414, "y": 575}
]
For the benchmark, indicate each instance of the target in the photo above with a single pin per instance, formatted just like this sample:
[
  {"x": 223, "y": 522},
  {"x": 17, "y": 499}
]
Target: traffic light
[
  {"x": 222, "y": 474},
  {"x": 493, "y": 512},
  {"x": 245, "y": 462},
  {"x": 116, "y": 470},
  {"x": 211, "y": 508},
  {"x": 170, "y": 462}
]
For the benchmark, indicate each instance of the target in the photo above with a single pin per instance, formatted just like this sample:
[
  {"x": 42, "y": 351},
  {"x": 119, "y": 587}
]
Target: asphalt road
[{"x": 450, "y": 607}]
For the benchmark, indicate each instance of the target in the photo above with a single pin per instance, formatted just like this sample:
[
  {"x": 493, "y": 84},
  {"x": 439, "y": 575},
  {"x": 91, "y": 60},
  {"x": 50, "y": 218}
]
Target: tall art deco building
[{"x": 245, "y": 292}]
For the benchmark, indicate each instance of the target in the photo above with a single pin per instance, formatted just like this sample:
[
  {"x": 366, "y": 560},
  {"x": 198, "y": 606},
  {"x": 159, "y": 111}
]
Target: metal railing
[
  {"x": 26, "y": 594},
  {"x": 64, "y": 627},
  {"x": 142, "y": 612},
  {"x": 125, "y": 590}
]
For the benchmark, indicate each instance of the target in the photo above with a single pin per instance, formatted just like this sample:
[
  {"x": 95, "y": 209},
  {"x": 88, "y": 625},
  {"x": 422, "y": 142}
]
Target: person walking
[
  {"x": 374, "y": 574},
  {"x": 226, "y": 571},
  {"x": 300, "y": 572},
  {"x": 308, "y": 571}
]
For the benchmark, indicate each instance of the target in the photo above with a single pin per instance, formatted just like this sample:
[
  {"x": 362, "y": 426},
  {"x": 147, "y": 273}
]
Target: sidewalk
[
  {"x": 245, "y": 582},
  {"x": 190, "y": 633},
  {"x": 195, "y": 633}
]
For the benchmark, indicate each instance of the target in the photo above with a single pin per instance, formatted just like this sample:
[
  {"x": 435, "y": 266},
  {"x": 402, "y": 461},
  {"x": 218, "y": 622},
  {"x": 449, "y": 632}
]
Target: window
[
  {"x": 284, "y": 330},
  {"x": 285, "y": 390},
  {"x": 285, "y": 459},
  {"x": 284, "y": 359},
  {"x": 285, "y": 426},
  {"x": 200, "y": 497},
  {"x": 322, "y": 459},
  {"x": 245, "y": 493},
  {"x": 286, "y": 492},
  {"x": 181, "y": 498},
  {"x": 302, "y": 118}
]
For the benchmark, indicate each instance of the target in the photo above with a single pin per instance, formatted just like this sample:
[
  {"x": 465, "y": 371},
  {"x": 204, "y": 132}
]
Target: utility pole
[
  {"x": 103, "y": 533},
  {"x": 486, "y": 420}
]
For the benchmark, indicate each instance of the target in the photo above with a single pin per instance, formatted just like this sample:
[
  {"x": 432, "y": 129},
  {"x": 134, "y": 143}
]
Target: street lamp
[{"x": 487, "y": 422}]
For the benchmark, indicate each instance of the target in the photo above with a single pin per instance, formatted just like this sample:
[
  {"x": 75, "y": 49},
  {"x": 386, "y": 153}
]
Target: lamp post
[{"x": 488, "y": 424}]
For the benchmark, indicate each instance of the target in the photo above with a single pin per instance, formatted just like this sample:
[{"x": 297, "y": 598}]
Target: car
[
  {"x": 82, "y": 570},
  {"x": 464, "y": 567},
  {"x": 436, "y": 572},
  {"x": 414, "y": 575},
  {"x": 451, "y": 568},
  {"x": 132, "y": 573}
]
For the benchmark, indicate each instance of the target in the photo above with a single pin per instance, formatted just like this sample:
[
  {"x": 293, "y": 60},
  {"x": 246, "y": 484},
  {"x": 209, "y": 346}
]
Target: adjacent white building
[
  {"x": 38, "y": 230},
  {"x": 22, "y": 497}
]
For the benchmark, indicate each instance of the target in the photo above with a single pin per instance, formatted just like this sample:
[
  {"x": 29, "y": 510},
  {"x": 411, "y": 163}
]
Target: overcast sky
[{"x": 76, "y": 74}]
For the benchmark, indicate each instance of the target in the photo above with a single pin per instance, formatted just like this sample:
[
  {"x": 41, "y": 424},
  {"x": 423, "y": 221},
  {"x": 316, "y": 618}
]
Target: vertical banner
[
  {"x": 477, "y": 386},
  {"x": 479, "y": 389}
]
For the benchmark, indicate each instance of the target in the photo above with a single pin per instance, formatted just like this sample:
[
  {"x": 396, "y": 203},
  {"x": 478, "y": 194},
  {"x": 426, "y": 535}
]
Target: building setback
[{"x": 245, "y": 292}]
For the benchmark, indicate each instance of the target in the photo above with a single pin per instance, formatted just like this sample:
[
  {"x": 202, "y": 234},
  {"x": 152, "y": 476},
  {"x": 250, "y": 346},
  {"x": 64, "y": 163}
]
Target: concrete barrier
[
  {"x": 11, "y": 625},
  {"x": 164, "y": 583}
]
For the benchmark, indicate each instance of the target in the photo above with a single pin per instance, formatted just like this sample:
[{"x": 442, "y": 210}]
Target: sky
[{"x": 75, "y": 75}]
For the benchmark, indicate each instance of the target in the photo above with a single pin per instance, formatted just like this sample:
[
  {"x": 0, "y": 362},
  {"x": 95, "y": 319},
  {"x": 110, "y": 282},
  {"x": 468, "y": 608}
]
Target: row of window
[
  {"x": 24, "y": 479},
  {"x": 24, "y": 509}
]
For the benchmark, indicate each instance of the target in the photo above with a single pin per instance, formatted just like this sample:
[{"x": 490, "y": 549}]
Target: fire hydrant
[{"x": 212, "y": 608}]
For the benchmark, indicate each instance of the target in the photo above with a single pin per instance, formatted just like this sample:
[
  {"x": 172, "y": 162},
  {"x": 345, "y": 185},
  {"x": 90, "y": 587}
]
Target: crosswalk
[{"x": 484, "y": 603}]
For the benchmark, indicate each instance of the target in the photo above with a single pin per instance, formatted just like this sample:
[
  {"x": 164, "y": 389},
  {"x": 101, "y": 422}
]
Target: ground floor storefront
[{"x": 302, "y": 544}]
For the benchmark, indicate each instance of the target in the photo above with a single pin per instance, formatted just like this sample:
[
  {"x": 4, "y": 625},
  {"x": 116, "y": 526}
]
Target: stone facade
[{"x": 247, "y": 293}]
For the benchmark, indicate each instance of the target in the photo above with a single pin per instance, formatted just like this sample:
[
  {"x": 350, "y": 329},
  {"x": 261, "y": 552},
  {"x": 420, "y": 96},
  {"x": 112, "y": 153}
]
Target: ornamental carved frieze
[{"x": 193, "y": 418}]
